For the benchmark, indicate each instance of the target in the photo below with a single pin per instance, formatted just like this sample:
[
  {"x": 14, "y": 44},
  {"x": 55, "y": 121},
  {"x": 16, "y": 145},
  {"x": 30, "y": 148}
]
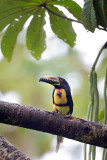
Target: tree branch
[
  {"x": 8, "y": 151},
  {"x": 70, "y": 127}
]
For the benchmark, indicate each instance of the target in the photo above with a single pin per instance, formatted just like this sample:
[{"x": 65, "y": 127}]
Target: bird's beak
[{"x": 51, "y": 80}]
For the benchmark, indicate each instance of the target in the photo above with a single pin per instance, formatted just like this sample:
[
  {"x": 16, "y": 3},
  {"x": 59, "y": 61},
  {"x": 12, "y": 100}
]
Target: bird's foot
[{"x": 68, "y": 116}]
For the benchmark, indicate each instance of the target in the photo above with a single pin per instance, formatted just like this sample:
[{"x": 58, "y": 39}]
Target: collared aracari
[{"x": 62, "y": 99}]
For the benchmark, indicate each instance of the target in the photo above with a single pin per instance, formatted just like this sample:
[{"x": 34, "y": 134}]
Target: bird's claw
[{"x": 67, "y": 116}]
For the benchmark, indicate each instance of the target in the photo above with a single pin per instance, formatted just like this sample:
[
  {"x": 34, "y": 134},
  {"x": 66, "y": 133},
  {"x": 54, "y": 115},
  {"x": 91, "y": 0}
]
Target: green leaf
[
  {"x": 88, "y": 16},
  {"x": 9, "y": 10},
  {"x": 70, "y": 5},
  {"x": 10, "y": 36},
  {"x": 61, "y": 27},
  {"x": 105, "y": 8},
  {"x": 15, "y": 13},
  {"x": 36, "y": 34},
  {"x": 101, "y": 12}
]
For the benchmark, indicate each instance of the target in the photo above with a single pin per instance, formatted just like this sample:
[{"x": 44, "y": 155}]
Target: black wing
[
  {"x": 70, "y": 101},
  {"x": 53, "y": 95}
]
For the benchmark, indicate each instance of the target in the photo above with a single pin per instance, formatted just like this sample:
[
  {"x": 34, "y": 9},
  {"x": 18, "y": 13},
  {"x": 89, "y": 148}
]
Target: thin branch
[
  {"x": 70, "y": 127},
  {"x": 96, "y": 60},
  {"x": 100, "y": 28},
  {"x": 8, "y": 151}
]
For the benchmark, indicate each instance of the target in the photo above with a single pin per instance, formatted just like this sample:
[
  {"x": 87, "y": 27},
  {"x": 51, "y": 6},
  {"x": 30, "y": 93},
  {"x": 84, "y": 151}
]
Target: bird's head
[{"x": 57, "y": 82}]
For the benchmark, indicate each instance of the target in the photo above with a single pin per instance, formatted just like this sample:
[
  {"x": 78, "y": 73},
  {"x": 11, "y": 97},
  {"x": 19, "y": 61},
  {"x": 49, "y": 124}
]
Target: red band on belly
[{"x": 61, "y": 105}]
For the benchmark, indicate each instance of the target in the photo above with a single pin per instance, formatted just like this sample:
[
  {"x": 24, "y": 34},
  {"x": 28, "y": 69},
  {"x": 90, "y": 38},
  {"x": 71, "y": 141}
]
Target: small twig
[
  {"x": 100, "y": 28},
  {"x": 61, "y": 16},
  {"x": 105, "y": 46}
]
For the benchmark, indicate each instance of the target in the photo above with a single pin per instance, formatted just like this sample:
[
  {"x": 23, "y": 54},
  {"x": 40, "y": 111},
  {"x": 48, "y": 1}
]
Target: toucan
[{"x": 62, "y": 99}]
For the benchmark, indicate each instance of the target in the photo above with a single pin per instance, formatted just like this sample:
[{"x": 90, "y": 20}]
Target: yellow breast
[
  {"x": 60, "y": 96},
  {"x": 61, "y": 109}
]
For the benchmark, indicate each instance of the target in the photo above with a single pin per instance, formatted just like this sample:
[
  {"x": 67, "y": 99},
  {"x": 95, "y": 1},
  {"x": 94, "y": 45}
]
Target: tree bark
[
  {"x": 50, "y": 122},
  {"x": 9, "y": 152}
]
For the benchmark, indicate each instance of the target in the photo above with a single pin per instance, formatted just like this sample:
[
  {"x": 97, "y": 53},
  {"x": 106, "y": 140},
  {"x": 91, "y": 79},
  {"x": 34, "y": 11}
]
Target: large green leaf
[
  {"x": 70, "y": 5},
  {"x": 11, "y": 9},
  {"x": 36, "y": 34},
  {"x": 101, "y": 12},
  {"x": 10, "y": 36},
  {"x": 15, "y": 13},
  {"x": 61, "y": 27},
  {"x": 88, "y": 16}
]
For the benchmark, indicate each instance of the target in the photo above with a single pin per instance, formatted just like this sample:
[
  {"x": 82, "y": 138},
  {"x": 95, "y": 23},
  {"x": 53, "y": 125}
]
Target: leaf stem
[
  {"x": 61, "y": 16},
  {"x": 104, "y": 46}
]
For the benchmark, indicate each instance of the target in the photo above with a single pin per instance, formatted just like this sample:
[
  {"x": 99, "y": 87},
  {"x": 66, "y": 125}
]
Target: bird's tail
[{"x": 59, "y": 140}]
